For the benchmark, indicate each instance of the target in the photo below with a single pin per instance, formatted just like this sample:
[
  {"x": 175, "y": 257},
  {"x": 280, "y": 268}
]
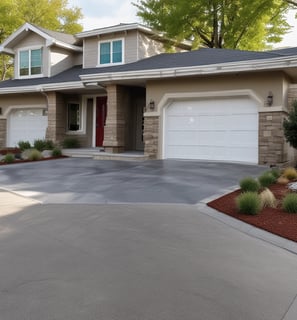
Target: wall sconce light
[
  {"x": 269, "y": 99},
  {"x": 0, "y": 111},
  {"x": 152, "y": 105}
]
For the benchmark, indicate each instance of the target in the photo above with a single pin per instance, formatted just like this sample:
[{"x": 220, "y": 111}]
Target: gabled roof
[
  {"x": 194, "y": 63},
  {"x": 52, "y": 38}
]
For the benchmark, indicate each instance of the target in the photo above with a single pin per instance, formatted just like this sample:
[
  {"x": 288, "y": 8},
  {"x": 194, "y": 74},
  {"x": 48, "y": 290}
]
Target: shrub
[
  {"x": 266, "y": 179},
  {"x": 9, "y": 158},
  {"x": 249, "y": 184},
  {"x": 282, "y": 180},
  {"x": 70, "y": 142},
  {"x": 290, "y": 203},
  {"x": 276, "y": 172},
  {"x": 24, "y": 145},
  {"x": 42, "y": 145},
  {"x": 249, "y": 203},
  {"x": 49, "y": 145},
  {"x": 267, "y": 199},
  {"x": 290, "y": 173},
  {"x": 34, "y": 155},
  {"x": 57, "y": 152}
]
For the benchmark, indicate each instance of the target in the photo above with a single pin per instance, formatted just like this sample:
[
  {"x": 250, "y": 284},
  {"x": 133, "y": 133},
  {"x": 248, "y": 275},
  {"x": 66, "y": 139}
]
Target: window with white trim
[
  {"x": 30, "y": 62},
  {"x": 111, "y": 52},
  {"x": 74, "y": 117}
]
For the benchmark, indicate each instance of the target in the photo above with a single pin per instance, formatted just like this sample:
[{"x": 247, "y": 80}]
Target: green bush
[
  {"x": 70, "y": 143},
  {"x": 290, "y": 203},
  {"x": 34, "y": 155},
  {"x": 9, "y": 158},
  {"x": 57, "y": 152},
  {"x": 42, "y": 145},
  {"x": 24, "y": 145},
  {"x": 267, "y": 179},
  {"x": 249, "y": 184},
  {"x": 248, "y": 203},
  {"x": 276, "y": 172}
]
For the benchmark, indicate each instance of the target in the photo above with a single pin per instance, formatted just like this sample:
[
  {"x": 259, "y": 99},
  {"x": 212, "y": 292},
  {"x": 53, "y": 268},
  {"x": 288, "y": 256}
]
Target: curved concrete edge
[{"x": 244, "y": 227}]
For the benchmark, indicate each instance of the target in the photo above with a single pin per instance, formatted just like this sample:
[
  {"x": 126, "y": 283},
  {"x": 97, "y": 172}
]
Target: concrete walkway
[{"x": 167, "y": 262}]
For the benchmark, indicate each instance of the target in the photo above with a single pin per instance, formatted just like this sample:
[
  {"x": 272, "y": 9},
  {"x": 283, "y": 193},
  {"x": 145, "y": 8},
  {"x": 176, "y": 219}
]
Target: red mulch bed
[
  {"x": 274, "y": 220},
  {"x": 22, "y": 161}
]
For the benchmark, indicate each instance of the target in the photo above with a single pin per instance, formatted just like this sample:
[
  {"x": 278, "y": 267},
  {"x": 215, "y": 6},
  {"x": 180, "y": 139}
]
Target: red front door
[{"x": 101, "y": 111}]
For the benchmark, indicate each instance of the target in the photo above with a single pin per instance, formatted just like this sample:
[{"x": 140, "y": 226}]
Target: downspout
[{"x": 40, "y": 90}]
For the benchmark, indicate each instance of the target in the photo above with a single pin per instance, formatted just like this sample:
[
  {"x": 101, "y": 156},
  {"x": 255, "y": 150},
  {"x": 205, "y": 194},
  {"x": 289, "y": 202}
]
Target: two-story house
[{"x": 116, "y": 88}]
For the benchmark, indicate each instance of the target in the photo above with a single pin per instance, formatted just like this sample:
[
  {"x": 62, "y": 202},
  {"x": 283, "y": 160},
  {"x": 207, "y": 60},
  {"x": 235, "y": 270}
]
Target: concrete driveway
[
  {"x": 133, "y": 261},
  {"x": 76, "y": 180}
]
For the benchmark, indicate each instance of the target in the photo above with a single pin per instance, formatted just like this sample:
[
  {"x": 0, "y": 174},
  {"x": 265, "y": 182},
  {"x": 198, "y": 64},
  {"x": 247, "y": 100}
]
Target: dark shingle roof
[{"x": 200, "y": 57}]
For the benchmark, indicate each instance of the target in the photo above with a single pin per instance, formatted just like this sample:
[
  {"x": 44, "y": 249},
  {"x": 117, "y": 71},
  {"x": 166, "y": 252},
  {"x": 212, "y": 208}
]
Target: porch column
[
  {"x": 114, "y": 130},
  {"x": 56, "y": 118},
  {"x": 3, "y": 130}
]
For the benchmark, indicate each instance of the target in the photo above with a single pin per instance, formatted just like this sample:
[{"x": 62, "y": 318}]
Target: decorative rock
[{"x": 292, "y": 186}]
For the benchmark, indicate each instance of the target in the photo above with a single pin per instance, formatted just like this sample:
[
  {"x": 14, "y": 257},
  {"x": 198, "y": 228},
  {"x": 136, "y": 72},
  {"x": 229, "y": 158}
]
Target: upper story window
[
  {"x": 30, "y": 62},
  {"x": 111, "y": 52}
]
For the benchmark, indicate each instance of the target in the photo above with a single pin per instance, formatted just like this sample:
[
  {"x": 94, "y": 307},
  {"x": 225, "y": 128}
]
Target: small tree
[{"x": 290, "y": 126}]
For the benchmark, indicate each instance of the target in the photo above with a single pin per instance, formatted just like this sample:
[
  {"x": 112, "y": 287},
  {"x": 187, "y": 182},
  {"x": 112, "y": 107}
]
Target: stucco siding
[
  {"x": 148, "y": 47},
  {"x": 61, "y": 60}
]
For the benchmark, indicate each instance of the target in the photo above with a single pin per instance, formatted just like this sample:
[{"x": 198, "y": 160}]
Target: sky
[{"x": 103, "y": 13}]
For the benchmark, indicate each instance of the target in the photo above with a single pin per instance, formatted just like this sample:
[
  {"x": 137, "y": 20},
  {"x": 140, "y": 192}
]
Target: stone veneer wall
[
  {"x": 56, "y": 118},
  {"x": 151, "y": 136},
  {"x": 3, "y": 130},
  {"x": 272, "y": 144}
]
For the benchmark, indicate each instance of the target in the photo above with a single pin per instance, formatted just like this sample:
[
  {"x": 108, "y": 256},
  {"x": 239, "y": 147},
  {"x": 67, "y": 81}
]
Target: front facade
[{"x": 115, "y": 88}]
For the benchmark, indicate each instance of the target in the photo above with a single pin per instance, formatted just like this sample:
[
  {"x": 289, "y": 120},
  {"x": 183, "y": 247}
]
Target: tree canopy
[
  {"x": 233, "y": 24},
  {"x": 50, "y": 14}
]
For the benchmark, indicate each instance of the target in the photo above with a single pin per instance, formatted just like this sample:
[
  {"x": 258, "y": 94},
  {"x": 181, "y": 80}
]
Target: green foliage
[
  {"x": 24, "y": 145},
  {"x": 34, "y": 155},
  {"x": 267, "y": 179},
  {"x": 41, "y": 145},
  {"x": 50, "y": 14},
  {"x": 70, "y": 143},
  {"x": 275, "y": 172},
  {"x": 290, "y": 203},
  {"x": 57, "y": 152},
  {"x": 9, "y": 158},
  {"x": 290, "y": 126},
  {"x": 249, "y": 184},
  {"x": 240, "y": 24},
  {"x": 249, "y": 203}
]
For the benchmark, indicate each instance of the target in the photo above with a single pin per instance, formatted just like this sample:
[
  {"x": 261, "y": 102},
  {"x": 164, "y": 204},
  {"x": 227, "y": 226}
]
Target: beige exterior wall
[
  {"x": 148, "y": 47},
  {"x": 61, "y": 59}
]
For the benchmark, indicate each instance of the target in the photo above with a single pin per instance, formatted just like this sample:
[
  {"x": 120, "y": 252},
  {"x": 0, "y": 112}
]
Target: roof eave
[{"x": 212, "y": 69}]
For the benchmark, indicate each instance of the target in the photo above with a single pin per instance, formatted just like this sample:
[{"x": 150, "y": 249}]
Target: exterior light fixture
[
  {"x": 152, "y": 105},
  {"x": 0, "y": 111},
  {"x": 269, "y": 99}
]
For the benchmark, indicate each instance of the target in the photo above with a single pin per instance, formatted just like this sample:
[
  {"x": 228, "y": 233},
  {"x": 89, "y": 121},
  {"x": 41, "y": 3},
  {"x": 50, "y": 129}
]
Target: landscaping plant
[
  {"x": 70, "y": 142},
  {"x": 290, "y": 203},
  {"x": 24, "y": 145},
  {"x": 42, "y": 145},
  {"x": 57, "y": 152},
  {"x": 268, "y": 199},
  {"x": 267, "y": 179},
  {"x": 9, "y": 158},
  {"x": 290, "y": 173},
  {"x": 249, "y": 203},
  {"x": 34, "y": 155},
  {"x": 249, "y": 184}
]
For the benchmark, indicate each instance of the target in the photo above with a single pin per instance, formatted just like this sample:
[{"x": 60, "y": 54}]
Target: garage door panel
[
  {"x": 212, "y": 129},
  {"x": 27, "y": 125}
]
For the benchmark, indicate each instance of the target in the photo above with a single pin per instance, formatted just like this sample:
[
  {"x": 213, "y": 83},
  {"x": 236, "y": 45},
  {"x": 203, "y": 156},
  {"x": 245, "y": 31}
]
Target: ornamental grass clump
[
  {"x": 34, "y": 155},
  {"x": 290, "y": 203},
  {"x": 290, "y": 173},
  {"x": 249, "y": 184},
  {"x": 9, "y": 158},
  {"x": 267, "y": 179},
  {"x": 268, "y": 199},
  {"x": 249, "y": 203},
  {"x": 57, "y": 152}
]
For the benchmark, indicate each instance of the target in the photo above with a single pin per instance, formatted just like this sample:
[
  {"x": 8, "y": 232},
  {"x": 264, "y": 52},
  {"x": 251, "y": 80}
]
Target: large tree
[
  {"x": 51, "y": 14},
  {"x": 234, "y": 24}
]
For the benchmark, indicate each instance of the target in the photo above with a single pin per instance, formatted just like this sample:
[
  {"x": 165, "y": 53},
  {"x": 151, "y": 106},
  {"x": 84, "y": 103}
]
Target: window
[
  {"x": 111, "y": 52},
  {"x": 30, "y": 62},
  {"x": 74, "y": 117}
]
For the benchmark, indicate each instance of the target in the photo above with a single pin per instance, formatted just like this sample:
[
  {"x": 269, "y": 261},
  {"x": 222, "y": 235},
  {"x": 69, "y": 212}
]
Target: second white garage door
[
  {"x": 212, "y": 129},
  {"x": 26, "y": 125}
]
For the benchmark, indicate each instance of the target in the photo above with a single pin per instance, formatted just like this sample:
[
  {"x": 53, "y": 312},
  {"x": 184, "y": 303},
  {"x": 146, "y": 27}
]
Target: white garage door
[
  {"x": 26, "y": 125},
  {"x": 212, "y": 129}
]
